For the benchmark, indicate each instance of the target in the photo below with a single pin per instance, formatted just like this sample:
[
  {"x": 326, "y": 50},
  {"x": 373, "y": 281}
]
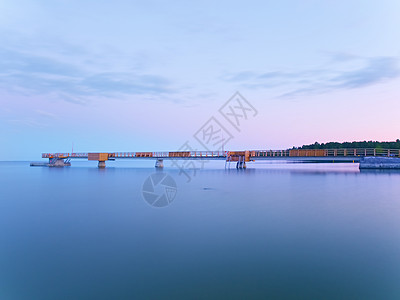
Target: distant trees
[{"x": 364, "y": 144}]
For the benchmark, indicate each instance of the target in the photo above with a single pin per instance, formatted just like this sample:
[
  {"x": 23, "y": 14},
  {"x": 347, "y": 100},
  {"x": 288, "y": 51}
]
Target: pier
[{"x": 385, "y": 157}]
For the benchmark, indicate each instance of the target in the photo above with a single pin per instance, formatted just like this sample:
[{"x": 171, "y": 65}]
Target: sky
[{"x": 120, "y": 75}]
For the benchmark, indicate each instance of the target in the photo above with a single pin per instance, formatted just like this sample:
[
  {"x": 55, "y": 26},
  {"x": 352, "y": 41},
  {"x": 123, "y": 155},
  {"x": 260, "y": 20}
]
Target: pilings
[
  {"x": 241, "y": 164},
  {"x": 100, "y": 157},
  {"x": 159, "y": 163},
  {"x": 58, "y": 162}
]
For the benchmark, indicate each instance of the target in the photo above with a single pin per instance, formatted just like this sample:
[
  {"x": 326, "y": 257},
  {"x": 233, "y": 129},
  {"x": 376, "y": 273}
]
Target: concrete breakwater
[
  {"x": 58, "y": 163},
  {"x": 380, "y": 163}
]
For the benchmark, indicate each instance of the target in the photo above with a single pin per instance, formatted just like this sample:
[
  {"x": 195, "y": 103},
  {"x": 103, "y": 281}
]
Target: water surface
[{"x": 312, "y": 231}]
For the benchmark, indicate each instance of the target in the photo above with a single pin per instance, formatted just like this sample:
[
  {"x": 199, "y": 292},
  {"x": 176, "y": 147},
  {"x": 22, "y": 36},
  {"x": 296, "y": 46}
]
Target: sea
[{"x": 131, "y": 231}]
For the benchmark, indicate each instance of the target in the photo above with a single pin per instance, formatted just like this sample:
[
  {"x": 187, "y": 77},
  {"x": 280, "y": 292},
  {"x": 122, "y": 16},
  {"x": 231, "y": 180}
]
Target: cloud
[
  {"x": 377, "y": 69},
  {"x": 27, "y": 122},
  {"x": 126, "y": 83},
  {"x": 72, "y": 81},
  {"x": 242, "y": 76},
  {"x": 15, "y": 62},
  {"x": 352, "y": 72},
  {"x": 339, "y": 57},
  {"x": 45, "y": 114}
]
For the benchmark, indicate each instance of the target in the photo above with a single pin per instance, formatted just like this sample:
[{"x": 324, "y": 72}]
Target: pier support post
[
  {"x": 241, "y": 164},
  {"x": 58, "y": 162},
  {"x": 159, "y": 163},
  {"x": 100, "y": 157}
]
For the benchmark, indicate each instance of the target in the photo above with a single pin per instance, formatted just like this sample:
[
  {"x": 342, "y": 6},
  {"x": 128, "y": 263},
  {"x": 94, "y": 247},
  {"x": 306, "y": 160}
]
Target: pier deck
[{"x": 240, "y": 157}]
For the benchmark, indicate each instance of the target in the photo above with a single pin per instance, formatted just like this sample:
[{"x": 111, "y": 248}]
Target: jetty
[{"x": 367, "y": 158}]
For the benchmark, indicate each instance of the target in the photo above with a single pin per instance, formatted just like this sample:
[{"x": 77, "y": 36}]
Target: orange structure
[
  {"x": 307, "y": 153},
  {"x": 144, "y": 154},
  {"x": 100, "y": 157}
]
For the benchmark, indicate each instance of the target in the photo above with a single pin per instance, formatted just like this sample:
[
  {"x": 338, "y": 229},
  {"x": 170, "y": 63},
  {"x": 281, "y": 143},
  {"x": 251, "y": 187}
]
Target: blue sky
[{"x": 135, "y": 76}]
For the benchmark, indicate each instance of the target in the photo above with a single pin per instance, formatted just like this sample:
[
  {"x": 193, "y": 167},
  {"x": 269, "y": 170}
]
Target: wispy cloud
[
  {"x": 376, "y": 70},
  {"x": 344, "y": 72},
  {"x": 126, "y": 83},
  {"x": 27, "y": 122},
  {"x": 71, "y": 81},
  {"x": 46, "y": 114}
]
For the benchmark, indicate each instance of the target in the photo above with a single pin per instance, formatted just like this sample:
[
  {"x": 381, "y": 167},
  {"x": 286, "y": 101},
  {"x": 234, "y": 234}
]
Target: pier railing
[
  {"x": 165, "y": 154},
  {"x": 355, "y": 152},
  {"x": 64, "y": 155},
  {"x": 327, "y": 152}
]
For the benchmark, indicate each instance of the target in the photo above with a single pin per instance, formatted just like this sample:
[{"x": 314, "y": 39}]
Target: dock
[{"x": 384, "y": 158}]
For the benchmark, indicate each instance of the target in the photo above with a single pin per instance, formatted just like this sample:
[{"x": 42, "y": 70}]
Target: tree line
[{"x": 364, "y": 144}]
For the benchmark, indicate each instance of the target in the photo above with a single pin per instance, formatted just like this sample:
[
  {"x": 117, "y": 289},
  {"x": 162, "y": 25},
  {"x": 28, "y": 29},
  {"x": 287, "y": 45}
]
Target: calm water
[{"x": 275, "y": 231}]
